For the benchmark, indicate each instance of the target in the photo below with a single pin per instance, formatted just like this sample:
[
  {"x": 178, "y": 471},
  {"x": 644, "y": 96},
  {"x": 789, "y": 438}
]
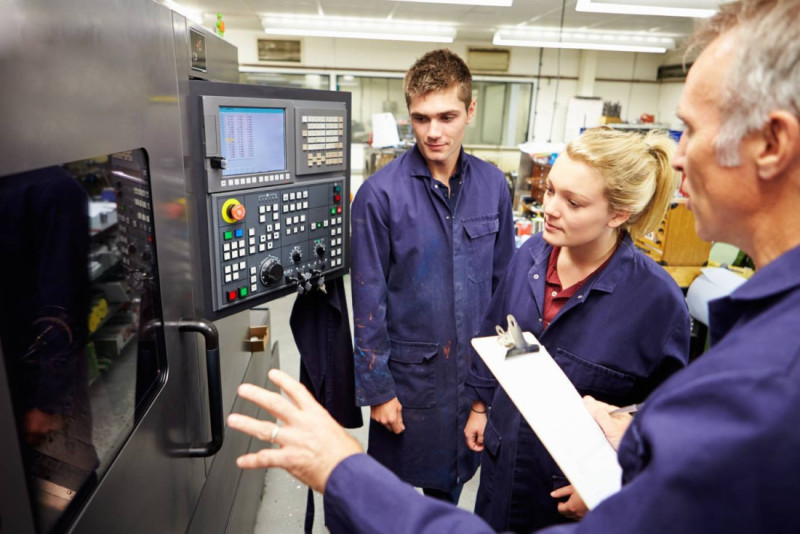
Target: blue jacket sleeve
[
  {"x": 370, "y": 249},
  {"x": 362, "y": 496}
]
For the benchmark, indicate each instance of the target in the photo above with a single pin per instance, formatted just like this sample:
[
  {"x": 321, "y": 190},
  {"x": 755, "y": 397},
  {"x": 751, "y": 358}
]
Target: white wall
[{"x": 637, "y": 88}]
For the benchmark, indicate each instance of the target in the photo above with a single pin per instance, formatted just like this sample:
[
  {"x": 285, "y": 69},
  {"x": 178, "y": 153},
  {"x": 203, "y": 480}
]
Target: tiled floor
[{"x": 284, "y": 500}]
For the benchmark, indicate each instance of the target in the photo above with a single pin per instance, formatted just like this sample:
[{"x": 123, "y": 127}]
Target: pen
[{"x": 633, "y": 408}]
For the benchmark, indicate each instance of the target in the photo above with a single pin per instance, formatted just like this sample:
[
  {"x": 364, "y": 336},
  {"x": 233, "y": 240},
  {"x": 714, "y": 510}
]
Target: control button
[
  {"x": 236, "y": 275},
  {"x": 243, "y": 292},
  {"x": 337, "y": 198},
  {"x": 251, "y": 231},
  {"x": 262, "y": 239},
  {"x": 337, "y": 188},
  {"x": 228, "y": 235},
  {"x": 251, "y": 241},
  {"x": 239, "y": 232},
  {"x": 231, "y": 296},
  {"x": 226, "y": 256},
  {"x": 261, "y": 248},
  {"x": 262, "y": 209},
  {"x": 253, "y": 270},
  {"x": 233, "y": 211},
  {"x": 227, "y": 278},
  {"x": 243, "y": 265},
  {"x": 277, "y": 226},
  {"x": 333, "y": 210},
  {"x": 253, "y": 288},
  {"x": 252, "y": 250},
  {"x": 305, "y": 194},
  {"x": 227, "y": 269},
  {"x": 338, "y": 209},
  {"x": 262, "y": 219},
  {"x": 226, "y": 247}
]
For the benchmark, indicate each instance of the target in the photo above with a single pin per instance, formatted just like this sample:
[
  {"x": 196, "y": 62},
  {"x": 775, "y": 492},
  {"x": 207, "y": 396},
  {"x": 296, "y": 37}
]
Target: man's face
[
  {"x": 439, "y": 120},
  {"x": 718, "y": 196}
]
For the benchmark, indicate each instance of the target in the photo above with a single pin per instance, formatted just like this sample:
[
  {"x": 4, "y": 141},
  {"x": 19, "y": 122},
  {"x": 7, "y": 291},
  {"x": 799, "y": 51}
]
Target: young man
[
  {"x": 432, "y": 233},
  {"x": 715, "y": 447}
]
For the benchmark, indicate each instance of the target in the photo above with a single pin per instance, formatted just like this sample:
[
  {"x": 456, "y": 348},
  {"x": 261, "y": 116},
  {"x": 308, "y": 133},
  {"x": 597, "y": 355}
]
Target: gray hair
[{"x": 765, "y": 72}]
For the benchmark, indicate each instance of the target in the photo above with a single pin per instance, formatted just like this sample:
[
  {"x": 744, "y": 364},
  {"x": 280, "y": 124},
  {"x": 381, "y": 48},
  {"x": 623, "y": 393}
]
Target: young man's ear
[
  {"x": 471, "y": 111},
  {"x": 778, "y": 144}
]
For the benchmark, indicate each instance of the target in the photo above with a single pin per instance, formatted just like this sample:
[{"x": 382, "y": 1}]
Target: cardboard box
[{"x": 258, "y": 339}]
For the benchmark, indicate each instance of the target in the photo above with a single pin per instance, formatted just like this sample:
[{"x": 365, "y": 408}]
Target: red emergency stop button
[{"x": 233, "y": 211}]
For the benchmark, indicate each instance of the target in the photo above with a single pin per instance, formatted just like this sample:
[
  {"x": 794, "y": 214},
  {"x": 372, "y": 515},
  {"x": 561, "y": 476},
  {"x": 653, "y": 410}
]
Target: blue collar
[
  {"x": 418, "y": 167},
  {"x": 607, "y": 279}
]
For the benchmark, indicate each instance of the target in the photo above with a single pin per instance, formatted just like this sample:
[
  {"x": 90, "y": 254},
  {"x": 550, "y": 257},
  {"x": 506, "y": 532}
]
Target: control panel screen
[{"x": 253, "y": 140}]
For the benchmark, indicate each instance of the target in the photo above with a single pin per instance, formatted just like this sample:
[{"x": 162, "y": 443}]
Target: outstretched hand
[{"x": 310, "y": 442}]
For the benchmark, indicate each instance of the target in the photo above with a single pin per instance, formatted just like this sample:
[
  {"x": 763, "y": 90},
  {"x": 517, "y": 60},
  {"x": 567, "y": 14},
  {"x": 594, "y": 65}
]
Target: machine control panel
[
  {"x": 276, "y": 176},
  {"x": 285, "y": 238}
]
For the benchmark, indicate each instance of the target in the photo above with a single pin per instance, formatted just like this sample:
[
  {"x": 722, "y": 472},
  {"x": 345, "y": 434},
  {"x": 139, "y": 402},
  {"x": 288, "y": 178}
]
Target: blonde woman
[{"x": 612, "y": 318}]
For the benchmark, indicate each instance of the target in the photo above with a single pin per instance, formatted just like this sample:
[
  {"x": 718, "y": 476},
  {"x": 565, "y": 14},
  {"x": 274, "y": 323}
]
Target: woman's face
[{"x": 576, "y": 210}]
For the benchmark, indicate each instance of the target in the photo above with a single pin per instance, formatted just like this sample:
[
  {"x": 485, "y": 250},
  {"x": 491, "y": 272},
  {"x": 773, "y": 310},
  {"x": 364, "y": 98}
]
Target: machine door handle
[{"x": 209, "y": 332}]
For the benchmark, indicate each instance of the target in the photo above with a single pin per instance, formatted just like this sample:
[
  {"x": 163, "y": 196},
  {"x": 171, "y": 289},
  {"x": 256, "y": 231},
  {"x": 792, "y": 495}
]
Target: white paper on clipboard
[{"x": 553, "y": 408}]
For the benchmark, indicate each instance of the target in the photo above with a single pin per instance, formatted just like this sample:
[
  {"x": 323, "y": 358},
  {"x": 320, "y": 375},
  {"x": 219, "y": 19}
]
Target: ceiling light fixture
[
  {"x": 492, "y": 3},
  {"x": 359, "y": 28},
  {"x": 543, "y": 37},
  {"x": 664, "y": 8}
]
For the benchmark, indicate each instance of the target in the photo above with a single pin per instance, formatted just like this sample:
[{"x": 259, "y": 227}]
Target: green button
[
  {"x": 333, "y": 210},
  {"x": 243, "y": 292},
  {"x": 319, "y": 225},
  {"x": 228, "y": 235}
]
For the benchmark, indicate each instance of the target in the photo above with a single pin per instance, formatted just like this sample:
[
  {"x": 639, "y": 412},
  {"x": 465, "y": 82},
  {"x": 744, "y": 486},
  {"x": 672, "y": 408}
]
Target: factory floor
[{"x": 283, "y": 504}]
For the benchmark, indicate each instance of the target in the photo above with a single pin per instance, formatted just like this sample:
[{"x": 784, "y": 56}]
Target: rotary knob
[
  {"x": 297, "y": 256},
  {"x": 271, "y": 271},
  {"x": 320, "y": 250}
]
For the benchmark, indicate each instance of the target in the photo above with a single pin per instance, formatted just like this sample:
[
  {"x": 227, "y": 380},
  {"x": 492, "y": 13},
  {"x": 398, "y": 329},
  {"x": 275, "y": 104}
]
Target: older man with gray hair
[{"x": 715, "y": 448}]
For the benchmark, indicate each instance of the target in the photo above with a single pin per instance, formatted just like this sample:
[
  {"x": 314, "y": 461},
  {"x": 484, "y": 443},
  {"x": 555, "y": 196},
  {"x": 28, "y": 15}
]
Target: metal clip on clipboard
[{"x": 513, "y": 339}]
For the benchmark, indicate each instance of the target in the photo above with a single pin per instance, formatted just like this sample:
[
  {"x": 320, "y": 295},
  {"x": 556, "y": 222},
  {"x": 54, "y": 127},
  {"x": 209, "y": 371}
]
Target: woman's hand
[{"x": 573, "y": 507}]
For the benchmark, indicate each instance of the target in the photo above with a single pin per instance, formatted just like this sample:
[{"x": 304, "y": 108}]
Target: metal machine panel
[
  {"x": 94, "y": 78},
  {"x": 269, "y": 171}
]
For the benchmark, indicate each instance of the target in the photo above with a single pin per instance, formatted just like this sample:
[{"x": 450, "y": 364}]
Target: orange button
[{"x": 237, "y": 212}]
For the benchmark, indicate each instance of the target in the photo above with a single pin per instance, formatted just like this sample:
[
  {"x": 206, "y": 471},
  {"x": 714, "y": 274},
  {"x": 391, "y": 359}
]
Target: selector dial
[
  {"x": 297, "y": 256},
  {"x": 271, "y": 271},
  {"x": 320, "y": 250}
]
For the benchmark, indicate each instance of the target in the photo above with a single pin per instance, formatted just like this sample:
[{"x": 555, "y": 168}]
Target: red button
[
  {"x": 237, "y": 212},
  {"x": 231, "y": 296},
  {"x": 337, "y": 198},
  {"x": 338, "y": 209}
]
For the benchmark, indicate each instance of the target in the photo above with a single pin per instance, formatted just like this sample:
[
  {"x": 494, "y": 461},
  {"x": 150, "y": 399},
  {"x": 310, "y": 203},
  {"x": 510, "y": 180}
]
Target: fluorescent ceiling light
[
  {"x": 664, "y": 8},
  {"x": 493, "y": 3},
  {"x": 358, "y": 28},
  {"x": 544, "y": 37}
]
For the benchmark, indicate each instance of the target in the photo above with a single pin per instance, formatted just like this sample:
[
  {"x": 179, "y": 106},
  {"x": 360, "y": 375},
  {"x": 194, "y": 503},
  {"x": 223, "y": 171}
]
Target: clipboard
[{"x": 554, "y": 410}]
